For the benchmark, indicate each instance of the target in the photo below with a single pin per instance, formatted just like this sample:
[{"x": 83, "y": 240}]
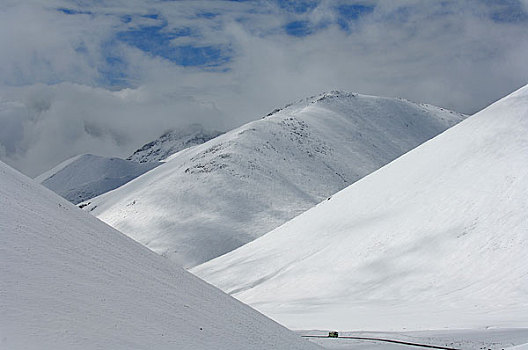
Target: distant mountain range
[
  {"x": 209, "y": 199},
  {"x": 86, "y": 176}
]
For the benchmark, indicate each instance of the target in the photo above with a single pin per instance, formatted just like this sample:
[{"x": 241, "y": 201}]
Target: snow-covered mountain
[
  {"x": 86, "y": 176},
  {"x": 436, "y": 239},
  {"x": 173, "y": 141},
  {"x": 69, "y": 281},
  {"x": 212, "y": 198}
]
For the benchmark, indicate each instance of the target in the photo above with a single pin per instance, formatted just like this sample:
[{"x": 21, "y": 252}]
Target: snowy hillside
[
  {"x": 69, "y": 281},
  {"x": 86, "y": 176},
  {"x": 436, "y": 239},
  {"x": 173, "y": 141},
  {"x": 212, "y": 198}
]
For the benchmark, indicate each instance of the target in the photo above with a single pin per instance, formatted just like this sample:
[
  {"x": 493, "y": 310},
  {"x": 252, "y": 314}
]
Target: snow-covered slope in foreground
[
  {"x": 437, "y": 238},
  {"x": 86, "y": 176},
  {"x": 69, "y": 281},
  {"x": 212, "y": 198}
]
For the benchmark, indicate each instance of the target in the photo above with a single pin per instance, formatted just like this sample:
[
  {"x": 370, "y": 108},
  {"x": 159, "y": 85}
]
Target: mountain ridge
[
  {"x": 173, "y": 141},
  {"x": 86, "y": 176},
  {"x": 434, "y": 239},
  {"x": 209, "y": 199}
]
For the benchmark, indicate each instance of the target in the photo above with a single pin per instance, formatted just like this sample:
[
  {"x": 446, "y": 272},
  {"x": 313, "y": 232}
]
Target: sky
[{"x": 105, "y": 77}]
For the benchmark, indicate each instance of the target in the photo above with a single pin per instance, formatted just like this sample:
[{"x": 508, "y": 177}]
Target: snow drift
[
  {"x": 212, "y": 198},
  {"x": 69, "y": 281},
  {"x": 437, "y": 238}
]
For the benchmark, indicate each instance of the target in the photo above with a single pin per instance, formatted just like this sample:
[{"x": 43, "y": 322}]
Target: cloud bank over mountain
[{"x": 106, "y": 77}]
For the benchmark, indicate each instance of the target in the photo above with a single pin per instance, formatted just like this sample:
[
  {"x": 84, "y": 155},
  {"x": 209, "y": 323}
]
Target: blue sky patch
[
  {"x": 152, "y": 39},
  {"x": 114, "y": 72},
  {"x": 156, "y": 41},
  {"x": 210, "y": 56},
  {"x": 126, "y": 19},
  {"x": 298, "y": 6},
  {"x": 68, "y": 11},
  {"x": 151, "y": 16},
  {"x": 298, "y": 28},
  {"x": 114, "y": 69},
  {"x": 349, "y": 13},
  {"x": 207, "y": 15},
  {"x": 508, "y": 11}
]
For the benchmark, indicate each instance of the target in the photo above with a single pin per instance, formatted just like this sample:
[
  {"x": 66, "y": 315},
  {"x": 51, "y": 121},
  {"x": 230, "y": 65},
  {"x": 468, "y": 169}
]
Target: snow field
[
  {"x": 69, "y": 281},
  {"x": 436, "y": 239}
]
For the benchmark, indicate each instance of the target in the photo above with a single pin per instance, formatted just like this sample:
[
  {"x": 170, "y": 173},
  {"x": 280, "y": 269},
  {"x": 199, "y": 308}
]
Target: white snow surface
[
  {"x": 467, "y": 339},
  {"x": 86, "y": 176},
  {"x": 69, "y": 281},
  {"x": 212, "y": 198},
  {"x": 436, "y": 239},
  {"x": 172, "y": 142}
]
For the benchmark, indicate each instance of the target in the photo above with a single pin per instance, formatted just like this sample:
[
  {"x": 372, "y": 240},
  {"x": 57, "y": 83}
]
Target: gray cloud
[
  {"x": 52, "y": 123},
  {"x": 68, "y": 86}
]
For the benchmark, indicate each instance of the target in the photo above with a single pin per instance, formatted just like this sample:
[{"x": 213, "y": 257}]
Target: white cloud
[
  {"x": 447, "y": 53},
  {"x": 54, "y": 123}
]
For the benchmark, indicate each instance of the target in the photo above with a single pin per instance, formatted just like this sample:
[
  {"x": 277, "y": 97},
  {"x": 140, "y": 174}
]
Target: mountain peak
[
  {"x": 214, "y": 197},
  {"x": 313, "y": 99},
  {"x": 173, "y": 141},
  {"x": 442, "y": 231}
]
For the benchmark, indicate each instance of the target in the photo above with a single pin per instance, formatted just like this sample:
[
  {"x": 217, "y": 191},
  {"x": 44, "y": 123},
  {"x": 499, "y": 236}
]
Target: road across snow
[{"x": 466, "y": 339}]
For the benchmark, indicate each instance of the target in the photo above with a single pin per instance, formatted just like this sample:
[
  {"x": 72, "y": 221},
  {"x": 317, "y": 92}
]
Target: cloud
[
  {"x": 106, "y": 77},
  {"x": 57, "y": 122}
]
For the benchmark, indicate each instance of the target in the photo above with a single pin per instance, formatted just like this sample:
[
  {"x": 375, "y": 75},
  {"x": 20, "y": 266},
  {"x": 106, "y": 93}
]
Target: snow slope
[
  {"x": 173, "y": 141},
  {"x": 437, "y": 238},
  {"x": 212, "y": 198},
  {"x": 86, "y": 176},
  {"x": 69, "y": 281}
]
